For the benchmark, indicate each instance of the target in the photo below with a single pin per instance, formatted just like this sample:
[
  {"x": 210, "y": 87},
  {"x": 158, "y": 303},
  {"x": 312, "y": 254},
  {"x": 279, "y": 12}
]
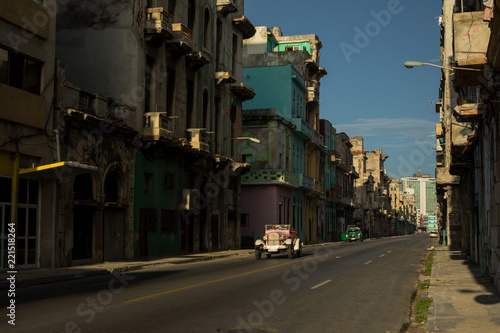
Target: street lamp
[
  {"x": 248, "y": 138},
  {"x": 411, "y": 64}
]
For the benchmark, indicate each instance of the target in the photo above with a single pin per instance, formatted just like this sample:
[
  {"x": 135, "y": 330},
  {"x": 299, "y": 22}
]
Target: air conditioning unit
[{"x": 296, "y": 48}]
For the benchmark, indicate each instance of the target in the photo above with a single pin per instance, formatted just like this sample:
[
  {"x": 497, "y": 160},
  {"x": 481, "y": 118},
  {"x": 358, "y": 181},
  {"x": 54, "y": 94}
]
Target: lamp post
[
  {"x": 411, "y": 64},
  {"x": 447, "y": 121}
]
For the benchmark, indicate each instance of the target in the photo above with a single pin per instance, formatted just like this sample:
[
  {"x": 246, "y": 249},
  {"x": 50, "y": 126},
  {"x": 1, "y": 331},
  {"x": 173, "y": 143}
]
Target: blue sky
[{"x": 368, "y": 92}]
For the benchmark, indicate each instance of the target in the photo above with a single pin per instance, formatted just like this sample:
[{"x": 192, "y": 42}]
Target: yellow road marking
[{"x": 228, "y": 277}]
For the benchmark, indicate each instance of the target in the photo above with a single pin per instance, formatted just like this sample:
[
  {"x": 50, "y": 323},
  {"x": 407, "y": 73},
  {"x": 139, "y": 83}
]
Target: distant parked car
[
  {"x": 433, "y": 234},
  {"x": 354, "y": 234},
  {"x": 279, "y": 238}
]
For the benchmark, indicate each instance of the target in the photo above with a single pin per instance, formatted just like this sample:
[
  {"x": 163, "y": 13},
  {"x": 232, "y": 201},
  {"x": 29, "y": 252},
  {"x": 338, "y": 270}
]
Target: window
[
  {"x": 190, "y": 102},
  {"x": 191, "y": 13},
  {"x": 19, "y": 71},
  {"x": 168, "y": 220},
  {"x": 207, "y": 41},
  {"x": 170, "y": 90},
  {"x": 171, "y": 7},
  {"x": 27, "y": 221},
  {"x": 149, "y": 87}
]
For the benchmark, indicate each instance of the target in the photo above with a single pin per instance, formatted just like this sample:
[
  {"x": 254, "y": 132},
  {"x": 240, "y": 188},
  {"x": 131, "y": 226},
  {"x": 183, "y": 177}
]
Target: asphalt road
[{"x": 348, "y": 287}]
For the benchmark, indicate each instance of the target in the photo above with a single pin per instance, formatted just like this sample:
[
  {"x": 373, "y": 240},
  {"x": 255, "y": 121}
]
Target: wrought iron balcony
[
  {"x": 306, "y": 182},
  {"x": 271, "y": 176},
  {"x": 302, "y": 128}
]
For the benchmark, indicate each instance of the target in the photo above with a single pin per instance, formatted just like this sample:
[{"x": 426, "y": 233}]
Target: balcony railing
[
  {"x": 198, "y": 138},
  {"x": 271, "y": 176},
  {"x": 317, "y": 138},
  {"x": 158, "y": 27},
  {"x": 306, "y": 182},
  {"x": 155, "y": 126},
  {"x": 182, "y": 41},
  {"x": 302, "y": 128}
]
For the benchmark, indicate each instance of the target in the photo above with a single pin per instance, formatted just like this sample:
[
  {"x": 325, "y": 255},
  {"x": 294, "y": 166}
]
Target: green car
[{"x": 354, "y": 234}]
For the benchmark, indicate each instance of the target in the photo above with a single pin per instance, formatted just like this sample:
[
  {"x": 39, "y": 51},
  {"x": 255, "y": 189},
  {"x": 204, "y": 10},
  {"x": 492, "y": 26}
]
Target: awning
[{"x": 57, "y": 170}]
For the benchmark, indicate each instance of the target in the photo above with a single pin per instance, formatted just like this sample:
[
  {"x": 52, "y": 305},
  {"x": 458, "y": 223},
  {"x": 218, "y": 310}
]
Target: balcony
[
  {"x": 242, "y": 91},
  {"x": 182, "y": 41},
  {"x": 352, "y": 172},
  {"x": 158, "y": 26},
  {"x": 271, "y": 176},
  {"x": 155, "y": 126},
  {"x": 439, "y": 130},
  {"x": 469, "y": 112},
  {"x": 244, "y": 25},
  {"x": 22, "y": 107},
  {"x": 226, "y": 7},
  {"x": 317, "y": 139},
  {"x": 312, "y": 96},
  {"x": 333, "y": 156},
  {"x": 224, "y": 77},
  {"x": 443, "y": 178},
  {"x": 303, "y": 129},
  {"x": 440, "y": 159},
  {"x": 471, "y": 38},
  {"x": 198, "y": 138},
  {"x": 198, "y": 59},
  {"x": 318, "y": 187},
  {"x": 306, "y": 182}
]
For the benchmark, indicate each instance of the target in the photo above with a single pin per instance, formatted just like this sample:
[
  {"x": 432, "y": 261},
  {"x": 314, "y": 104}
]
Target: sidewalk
[
  {"x": 27, "y": 278},
  {"x": 463, "y": 300}
]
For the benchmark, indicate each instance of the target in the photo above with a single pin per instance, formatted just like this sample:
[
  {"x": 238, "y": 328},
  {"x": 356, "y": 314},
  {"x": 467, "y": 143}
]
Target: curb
[{"x": 26, "y": 282}]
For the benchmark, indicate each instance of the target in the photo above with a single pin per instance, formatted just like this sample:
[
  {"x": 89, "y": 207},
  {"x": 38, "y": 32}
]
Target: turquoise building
[{"x": 284, "y": 73}]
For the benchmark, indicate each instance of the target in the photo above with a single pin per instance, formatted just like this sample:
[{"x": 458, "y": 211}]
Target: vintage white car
[{"x": 279, "y": 238}]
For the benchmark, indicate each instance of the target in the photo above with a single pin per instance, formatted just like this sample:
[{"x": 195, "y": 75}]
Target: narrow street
[{"x": 351, "y": 287}]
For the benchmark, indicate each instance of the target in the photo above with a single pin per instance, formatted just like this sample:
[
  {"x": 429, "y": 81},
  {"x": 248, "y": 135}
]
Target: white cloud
[{"x": 401, "y": 128}]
